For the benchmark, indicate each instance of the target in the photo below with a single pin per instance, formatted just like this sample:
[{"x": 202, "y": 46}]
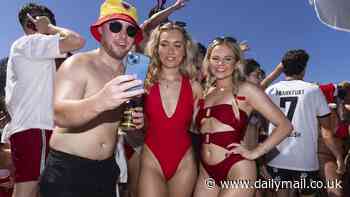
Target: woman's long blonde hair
[
  {"x": 237, "y": 75},
  {"x": 187, "y": 67}
]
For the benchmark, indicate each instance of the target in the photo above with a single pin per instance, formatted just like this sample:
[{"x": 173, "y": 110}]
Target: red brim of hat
[{"x": 123, "y": 17}]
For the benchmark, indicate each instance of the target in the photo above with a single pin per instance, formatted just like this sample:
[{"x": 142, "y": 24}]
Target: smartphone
[{"x": 137, "y": 64}]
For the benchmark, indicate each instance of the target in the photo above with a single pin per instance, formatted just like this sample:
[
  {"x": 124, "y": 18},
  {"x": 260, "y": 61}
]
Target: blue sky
[{"x": 271, "y": 28}]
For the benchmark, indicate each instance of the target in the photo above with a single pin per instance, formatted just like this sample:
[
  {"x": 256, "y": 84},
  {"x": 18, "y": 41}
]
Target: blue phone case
[{"x": 137, "y": 64}]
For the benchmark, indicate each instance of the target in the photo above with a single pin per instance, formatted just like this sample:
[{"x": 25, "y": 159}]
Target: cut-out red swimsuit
[
  {"x": 168, "y": 137},
  {"x": 224, "y": 114}
]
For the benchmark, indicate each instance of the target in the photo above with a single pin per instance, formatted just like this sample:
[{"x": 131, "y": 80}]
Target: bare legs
[{"x": 153, "y": 184}]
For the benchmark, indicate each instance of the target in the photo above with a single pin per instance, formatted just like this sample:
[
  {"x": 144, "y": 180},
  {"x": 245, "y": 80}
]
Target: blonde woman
[
  {"x": 222, "y": 119},
  {"x": 167, "y": 161}
]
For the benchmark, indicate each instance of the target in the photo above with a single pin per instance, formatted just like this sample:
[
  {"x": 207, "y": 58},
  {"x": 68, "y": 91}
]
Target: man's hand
[
  {"x": 41, "y": 23},
  {"x": 280, "y": 66},
  {"x": 116, "y": 92},
  {"x": 179, "y": 4},
  {"x": 244, "y": 46}
]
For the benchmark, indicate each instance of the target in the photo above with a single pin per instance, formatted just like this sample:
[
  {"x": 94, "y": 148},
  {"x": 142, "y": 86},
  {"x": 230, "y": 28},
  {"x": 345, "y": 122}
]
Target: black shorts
[
  {"x": 67, "y": 175},
  {"x": 279, "y": 174}
]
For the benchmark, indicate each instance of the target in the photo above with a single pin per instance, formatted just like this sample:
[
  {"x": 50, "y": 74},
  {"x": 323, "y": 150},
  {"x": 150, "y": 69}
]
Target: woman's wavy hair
[
  {"x": 187, "y": 67},
  {"x": 237, "y": 75}
]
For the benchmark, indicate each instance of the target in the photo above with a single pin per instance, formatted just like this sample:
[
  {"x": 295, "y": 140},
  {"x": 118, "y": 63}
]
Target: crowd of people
[{"x": 208, "y": 116}]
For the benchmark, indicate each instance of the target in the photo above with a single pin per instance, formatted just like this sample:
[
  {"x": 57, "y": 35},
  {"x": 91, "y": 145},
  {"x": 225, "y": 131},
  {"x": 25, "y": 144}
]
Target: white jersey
[
  {"x": 302, "y": 103},
  {"x": 29, "y": 83}
]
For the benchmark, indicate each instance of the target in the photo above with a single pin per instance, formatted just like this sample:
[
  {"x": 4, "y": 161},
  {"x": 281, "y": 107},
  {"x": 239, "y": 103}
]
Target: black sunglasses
[
  {"x": 178, "y": 23},
  {"x": 226, "y": 38},
  {"x": 117, "y": 26}
]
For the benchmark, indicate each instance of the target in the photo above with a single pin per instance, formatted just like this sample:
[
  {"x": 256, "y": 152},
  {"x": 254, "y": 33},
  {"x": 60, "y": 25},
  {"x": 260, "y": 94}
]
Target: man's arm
[
  {"x": 71, "y": 109},
  {"x": 161, "y": 16},
  {"x": 272, "y": 76},
  {"x": 323, "y": 114},
  {"x": 69, "y": 41},
  {"x": 328, "y": 137},
  {"x": 329, "y": 140}
]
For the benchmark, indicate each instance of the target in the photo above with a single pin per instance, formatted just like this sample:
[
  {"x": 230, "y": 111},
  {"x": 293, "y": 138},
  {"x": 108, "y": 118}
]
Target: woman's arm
[
  {"x": 197, "y": 95},
  {"x": 260, "y": 102}
]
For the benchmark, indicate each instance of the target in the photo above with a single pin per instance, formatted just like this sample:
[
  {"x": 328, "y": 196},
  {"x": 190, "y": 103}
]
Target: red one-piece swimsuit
[{"x": 168, "y": 137}]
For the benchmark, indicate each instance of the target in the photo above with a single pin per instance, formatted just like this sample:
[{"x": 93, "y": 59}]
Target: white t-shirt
[
  {"x": 29, "y": 83},
  {"x": 302, "y": 103}
]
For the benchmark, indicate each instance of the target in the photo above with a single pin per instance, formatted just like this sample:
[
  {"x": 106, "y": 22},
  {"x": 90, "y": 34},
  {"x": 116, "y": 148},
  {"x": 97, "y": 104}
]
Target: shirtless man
[{"x": 89, "y": 97}]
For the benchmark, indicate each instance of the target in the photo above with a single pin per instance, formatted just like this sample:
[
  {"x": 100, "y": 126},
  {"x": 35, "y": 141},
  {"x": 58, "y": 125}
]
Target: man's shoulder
[
  {"x": 273, "y": 87},
  {"x": 20, "y": 41},
  {"x": 82, "y": 58},
  {"x": 308, "y": 84},
  {"x": 294, "y": 84},
  {"x": 27, "y": 40},
  {"x": 311, "y": 87}
]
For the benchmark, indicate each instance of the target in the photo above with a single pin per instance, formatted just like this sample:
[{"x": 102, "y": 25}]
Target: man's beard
[{"x": 119, "y": 55}]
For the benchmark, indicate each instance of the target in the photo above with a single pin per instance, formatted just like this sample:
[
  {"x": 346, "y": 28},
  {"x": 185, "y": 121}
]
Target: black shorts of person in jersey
[
  {"x": 292, "y": 176},
  {"x": 67, "y": 175}
]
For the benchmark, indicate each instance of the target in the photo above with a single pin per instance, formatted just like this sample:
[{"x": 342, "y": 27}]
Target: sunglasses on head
[
  {"x": 117, "y": 27},
  {"x": 226, "y": 38},
  {"x": 178, "y": 23}
]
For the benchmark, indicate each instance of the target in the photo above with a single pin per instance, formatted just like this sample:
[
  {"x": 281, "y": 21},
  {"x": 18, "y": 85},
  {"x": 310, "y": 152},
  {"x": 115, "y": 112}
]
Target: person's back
[
  {"x": 302, "y": 102},
  {"x": 29, "y": 89},
  {"x": 295, "y": 158},
  {"x": 29, "y": 92}
]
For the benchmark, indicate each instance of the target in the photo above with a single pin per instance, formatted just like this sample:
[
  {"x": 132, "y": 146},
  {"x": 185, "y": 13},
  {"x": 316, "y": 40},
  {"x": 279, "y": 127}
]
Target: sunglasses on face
[
  {"x": 228, "y": 38},
  {"x": 117, "y": 27}
]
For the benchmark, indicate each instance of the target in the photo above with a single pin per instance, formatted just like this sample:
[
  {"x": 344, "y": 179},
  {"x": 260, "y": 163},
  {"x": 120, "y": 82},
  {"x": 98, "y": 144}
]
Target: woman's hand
[{"x": 242, "y": 150}]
